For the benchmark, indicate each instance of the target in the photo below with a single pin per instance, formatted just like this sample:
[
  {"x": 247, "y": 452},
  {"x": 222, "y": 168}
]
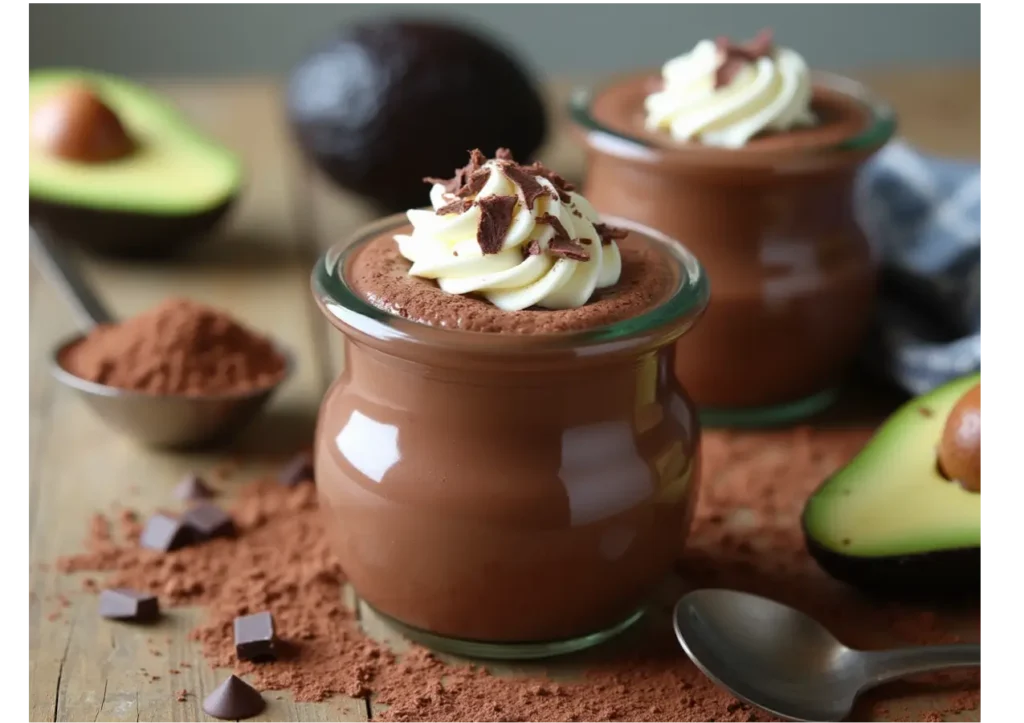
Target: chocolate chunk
[
  {"x": 529, "y": 187},
  {"x": 254, "y": 637},
  {"x": 193, "y": 487},
  {"x": 234, "y": 699},
  {"x": 164, "y": 533},
  {"x": 299, "y": 469},
  {"x": 124, "y": 604},
  {"x": 459, "y": 205},
  {"x": 608, "y": 233},
  {"x": 208, "y": 521},
  {"x": 734, "y": 56},
  {"x": 568, "y": 249},
  {"x": 495, "y": 218}
]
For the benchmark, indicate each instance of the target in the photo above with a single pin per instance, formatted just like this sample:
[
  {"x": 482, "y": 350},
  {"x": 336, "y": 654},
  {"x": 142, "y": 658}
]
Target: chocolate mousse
[
  {"x": 380, "y": 274},
  {"x": 753, "y": 170},
  {"x": 517, "y": 493}
]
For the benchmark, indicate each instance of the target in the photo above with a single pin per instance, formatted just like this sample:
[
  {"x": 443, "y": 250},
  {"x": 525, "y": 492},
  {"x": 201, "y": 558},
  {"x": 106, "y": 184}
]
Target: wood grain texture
[{"x": 84, "y": 668}]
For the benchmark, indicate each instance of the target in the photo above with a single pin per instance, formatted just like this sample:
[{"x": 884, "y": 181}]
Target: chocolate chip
[
  {"x": 124, "y": 604},
  {"x": 495, "y": 218},
  {"x": 459, "y": 205},
  {"x": 208, "y": 521},
  {"x": 608, "y": 233},
  {"x": 193, "y": 487},
  {"x": 234, "y": 699},
  {"x": 299, "y": 469},
  {"x": 568, "y": 249},
  {"x": 529, "y": 188},
  {"x": 164, "y": 533},
  {"x": 254, "y": 637}
]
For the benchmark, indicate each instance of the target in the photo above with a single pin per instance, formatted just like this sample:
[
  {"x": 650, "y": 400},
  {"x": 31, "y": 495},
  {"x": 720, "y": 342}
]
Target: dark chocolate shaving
[
  {"x": 474, "y": 183},
  {"x": 608, "y": 233},
  {"x": 568, "y": 249},
  {"x": 504, "y": 154},
  {"x": 462, "y": 176},
  {"x": 459, "y": 205},
  {"x": 553, "y": 222},
  {"x": 495, "y": 218},
  {"x": 530, "y": 188},
  {"x": 532, "y": 248},
  {"x": 562, "y": 186},
  {"x": 735, "y": 56}
]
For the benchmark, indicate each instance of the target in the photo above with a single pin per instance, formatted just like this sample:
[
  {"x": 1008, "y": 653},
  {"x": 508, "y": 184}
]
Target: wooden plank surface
[{"x": 83, "y": 669}]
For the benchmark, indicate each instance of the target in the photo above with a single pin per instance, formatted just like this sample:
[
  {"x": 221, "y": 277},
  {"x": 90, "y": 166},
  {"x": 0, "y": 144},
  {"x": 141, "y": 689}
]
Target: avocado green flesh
[
  {"x": 174, "y": 170},
  {"x": 891, "y": 500}
]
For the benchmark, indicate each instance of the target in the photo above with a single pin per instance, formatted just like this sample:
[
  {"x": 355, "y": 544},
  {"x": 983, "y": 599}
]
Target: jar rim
[
  {"x": 658, "y": 325},
  {"x": 877, "y": 132}
]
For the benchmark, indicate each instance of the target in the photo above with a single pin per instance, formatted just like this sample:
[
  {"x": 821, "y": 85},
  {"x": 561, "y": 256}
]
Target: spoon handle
[
  {"x": 61, "y": 271},
  {"x": 883, "y": 666}
]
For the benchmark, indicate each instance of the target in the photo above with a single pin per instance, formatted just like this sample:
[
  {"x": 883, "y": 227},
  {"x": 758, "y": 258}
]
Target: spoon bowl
[
  {"x": 779, "y": 659},
  {"x": 172, "y": 421},
  {"x": 160, "y": 420}
]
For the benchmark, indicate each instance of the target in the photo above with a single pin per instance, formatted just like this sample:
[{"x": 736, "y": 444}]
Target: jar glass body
[{"x": 514, "y": 502}]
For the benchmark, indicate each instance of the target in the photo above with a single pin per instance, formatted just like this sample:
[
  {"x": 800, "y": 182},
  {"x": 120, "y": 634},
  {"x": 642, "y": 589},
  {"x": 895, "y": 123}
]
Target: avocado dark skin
[
  {"x": 889, "y": 522},
  {"x": 123, "y": 233},
  {"x": 387, "y": 103},
  {"x": 953, "y": 575}
]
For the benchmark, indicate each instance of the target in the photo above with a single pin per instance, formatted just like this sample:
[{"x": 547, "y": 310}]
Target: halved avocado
[
  {"x": 889, "y": 521},
  {"x": 147, "y": 194}
]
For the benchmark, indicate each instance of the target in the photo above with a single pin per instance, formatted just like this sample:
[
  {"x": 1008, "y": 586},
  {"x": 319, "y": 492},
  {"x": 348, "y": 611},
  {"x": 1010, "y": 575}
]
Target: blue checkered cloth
[{"x": 923, "y": 216}]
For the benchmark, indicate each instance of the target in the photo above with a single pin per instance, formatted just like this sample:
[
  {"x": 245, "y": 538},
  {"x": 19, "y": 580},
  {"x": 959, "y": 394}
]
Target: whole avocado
[{"x": 388, "y": 102}]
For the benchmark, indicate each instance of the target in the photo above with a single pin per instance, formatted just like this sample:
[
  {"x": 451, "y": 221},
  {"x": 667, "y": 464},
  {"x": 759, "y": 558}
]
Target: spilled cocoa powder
[{"x": 745, "y": 535}]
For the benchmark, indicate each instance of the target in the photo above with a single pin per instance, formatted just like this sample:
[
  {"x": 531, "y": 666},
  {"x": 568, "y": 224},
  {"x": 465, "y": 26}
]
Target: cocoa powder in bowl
[
  {"x": 746, "y": 535},
  {"x": 178, "y": 347}
]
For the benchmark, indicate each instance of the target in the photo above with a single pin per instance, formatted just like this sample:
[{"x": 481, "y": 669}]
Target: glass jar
[
  {"x": 773, "y": 223},
  {"x": 506, "y": 495}
]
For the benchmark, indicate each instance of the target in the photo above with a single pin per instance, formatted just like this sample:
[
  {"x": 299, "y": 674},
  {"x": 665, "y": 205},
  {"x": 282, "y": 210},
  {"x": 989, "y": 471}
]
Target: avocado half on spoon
[
  {"x": 904, "y": 516},
  {"x": 114, "y": 167}
]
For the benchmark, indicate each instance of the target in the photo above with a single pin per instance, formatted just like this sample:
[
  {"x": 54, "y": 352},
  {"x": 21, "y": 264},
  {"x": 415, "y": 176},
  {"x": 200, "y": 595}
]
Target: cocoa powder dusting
[
  {"x": 746, "y": 535},
  {"x": 178, "y": 347}
]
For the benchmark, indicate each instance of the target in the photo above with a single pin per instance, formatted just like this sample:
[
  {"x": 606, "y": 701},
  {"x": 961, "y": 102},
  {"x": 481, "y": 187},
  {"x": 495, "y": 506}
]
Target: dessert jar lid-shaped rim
[{"x": 656, "y": 326}]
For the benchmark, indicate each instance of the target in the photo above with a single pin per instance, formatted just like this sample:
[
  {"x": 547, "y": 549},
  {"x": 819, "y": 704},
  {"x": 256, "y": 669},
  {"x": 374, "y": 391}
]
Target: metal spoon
[
  {"x": 778, "y": 659},
  {"x": 159, "y": 420}
]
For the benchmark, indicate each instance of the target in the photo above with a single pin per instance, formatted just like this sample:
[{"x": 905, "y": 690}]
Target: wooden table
[{"x": 258, "y": 268}]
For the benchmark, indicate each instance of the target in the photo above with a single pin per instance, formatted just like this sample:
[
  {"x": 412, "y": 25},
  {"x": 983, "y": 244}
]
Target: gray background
[{"x": 250, "y": 39}]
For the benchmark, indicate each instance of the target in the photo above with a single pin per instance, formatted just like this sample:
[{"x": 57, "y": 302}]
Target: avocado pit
[
  {"x": 960, "y": 446},
  {"x": 76, "y": 125}
]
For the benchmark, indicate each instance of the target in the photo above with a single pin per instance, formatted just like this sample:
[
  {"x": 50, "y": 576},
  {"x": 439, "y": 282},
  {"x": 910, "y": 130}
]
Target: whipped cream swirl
[
  {"x": 724, "y": 94},
  {"x": 517, "y": 235}
]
